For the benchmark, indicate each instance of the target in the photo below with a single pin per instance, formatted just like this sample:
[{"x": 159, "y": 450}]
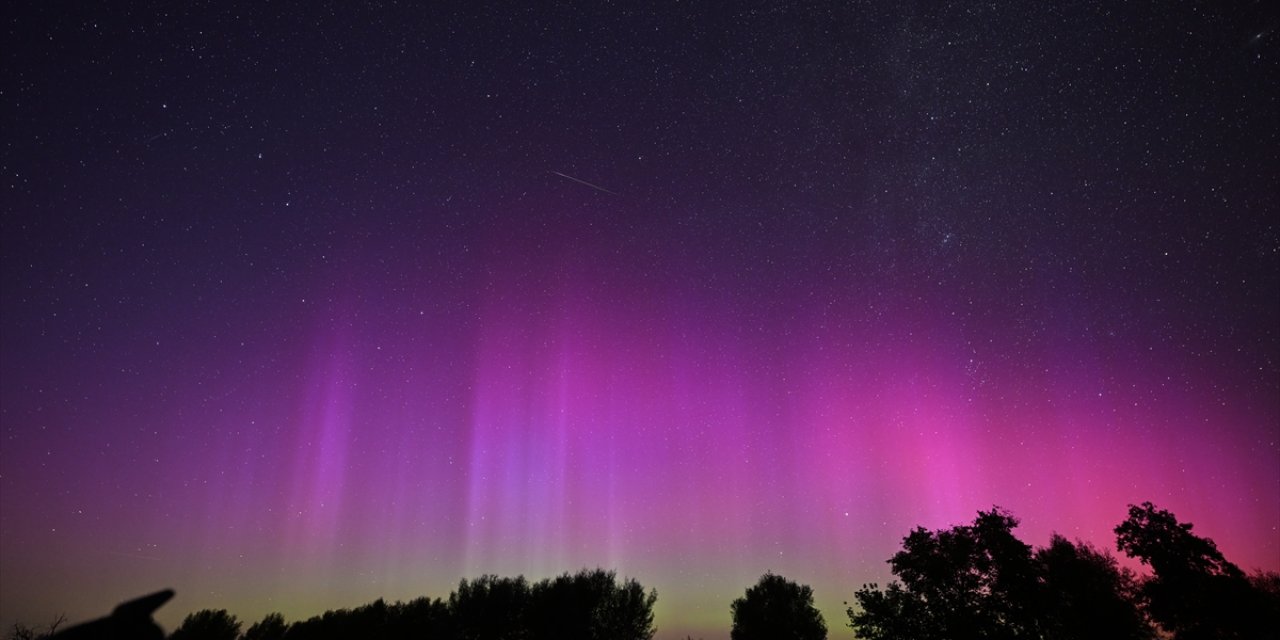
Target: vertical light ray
[{"x": 321, "y": 450}]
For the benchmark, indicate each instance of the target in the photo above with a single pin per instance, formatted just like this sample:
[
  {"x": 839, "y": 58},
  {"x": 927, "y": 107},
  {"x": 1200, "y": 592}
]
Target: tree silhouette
[
  {"x": 490, "y": 608},
  {"x": 563, "y": 607},
  {"x": 627, "y": 614},
  {"x": 777, "y": 609},
  {"x": 590, "y": 605},
  {"x": 1193, "y": 592},
  {"x": 891, "y": 614},
  {"x": 421, "y": 618},
  {"x": 1087, "y": 595},
  {"x": 208, "y": 624},
  {"x": 270, "y": 627},
  {"x": 975, "y": 581}
]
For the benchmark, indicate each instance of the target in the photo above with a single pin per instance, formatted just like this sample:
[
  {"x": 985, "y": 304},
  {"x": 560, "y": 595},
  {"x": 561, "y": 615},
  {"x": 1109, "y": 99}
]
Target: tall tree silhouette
[
  {"x": 1193, "y": 592},
  {"x": 974, "y": 581},
  {"x": 777, "y": 609}
]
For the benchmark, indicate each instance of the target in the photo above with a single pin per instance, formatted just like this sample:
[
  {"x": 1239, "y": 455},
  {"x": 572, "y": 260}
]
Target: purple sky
[{"x": 306, "y": 306}]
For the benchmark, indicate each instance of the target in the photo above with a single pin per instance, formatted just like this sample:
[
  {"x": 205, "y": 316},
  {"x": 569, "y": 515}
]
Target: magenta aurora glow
[{"x": 294, "y": 328}]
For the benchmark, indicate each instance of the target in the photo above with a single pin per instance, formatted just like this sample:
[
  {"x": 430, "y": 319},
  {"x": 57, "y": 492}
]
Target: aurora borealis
[{"x": 308, "y": 305}]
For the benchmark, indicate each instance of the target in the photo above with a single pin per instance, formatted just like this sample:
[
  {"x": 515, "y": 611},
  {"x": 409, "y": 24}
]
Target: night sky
[{"x": 306, "y": 304}]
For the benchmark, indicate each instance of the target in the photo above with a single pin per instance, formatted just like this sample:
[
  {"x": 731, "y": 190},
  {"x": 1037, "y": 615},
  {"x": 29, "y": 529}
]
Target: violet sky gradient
[{"x": 300, "y": 309}]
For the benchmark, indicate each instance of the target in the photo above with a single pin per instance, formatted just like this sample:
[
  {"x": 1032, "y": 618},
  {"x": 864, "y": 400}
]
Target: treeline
[
  {"x": 589, "y": 604},
  {"x": 981, "y": 581},
  {"x": 970, "y": 581}
]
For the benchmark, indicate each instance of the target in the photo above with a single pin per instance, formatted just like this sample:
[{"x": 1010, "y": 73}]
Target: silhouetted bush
[
  {"x": 777, "y": 608},
  {"x": 20, "y": 631}
]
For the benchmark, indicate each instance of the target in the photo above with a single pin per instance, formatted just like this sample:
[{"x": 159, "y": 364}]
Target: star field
[{"x": 309, "y": 304}]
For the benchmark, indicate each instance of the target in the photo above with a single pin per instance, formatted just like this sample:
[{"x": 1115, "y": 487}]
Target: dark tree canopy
[
  {"x": 627, "y": 614},
  {"x": 422, "y": 618},
  {"x": 590, "y": 605},
  {"x": 1155, "y": 537},
  {"x": 1086, "y": 595},
  {"x": 490, "y": 608},
  {"x": 891, "y": 614},
  {"x": 981, "y": 581},
  {"x": 270, "y": 627},
  {"x": 777, "y": 609},
  {"x": 975, "y": 581},
  {"x": 208, "y": 624},
  {"x": 1193, "y": 592}
]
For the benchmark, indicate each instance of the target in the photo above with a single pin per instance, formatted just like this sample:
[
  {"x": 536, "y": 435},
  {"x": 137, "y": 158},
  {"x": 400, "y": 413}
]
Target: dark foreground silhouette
[
  {"x": 969, "y": 581},
  {"x": 129, "y": 621},
  {"x": 980, "y": 581},
  {"x": 777, "y": 608},
  {"x": 591, "y": 605}
]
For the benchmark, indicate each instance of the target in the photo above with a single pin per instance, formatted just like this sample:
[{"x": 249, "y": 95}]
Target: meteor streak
[{"x": 596, "y": 187}]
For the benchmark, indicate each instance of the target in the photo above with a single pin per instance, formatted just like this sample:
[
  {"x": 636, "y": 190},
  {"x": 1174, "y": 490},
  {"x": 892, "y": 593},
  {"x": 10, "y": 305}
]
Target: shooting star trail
[{"x": 596, "y": 187}]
